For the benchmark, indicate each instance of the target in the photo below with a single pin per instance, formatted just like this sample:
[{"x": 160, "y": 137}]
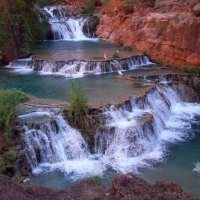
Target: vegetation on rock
[
  {"x": 20, "y": 26},
  {"x": 78, "y": 102},
  {"x": 9, "y": 99},
  {"x": 115, "y": 55},
  {"x": 90, "y": 8},
  {"x": 191, "y": 70}
]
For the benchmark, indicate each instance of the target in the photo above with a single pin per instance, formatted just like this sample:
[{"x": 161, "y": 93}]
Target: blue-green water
[
  {"x": 99, "y": 88},
  {"x": 179, "y": 164},
  {"x": 69, "y": 50}
]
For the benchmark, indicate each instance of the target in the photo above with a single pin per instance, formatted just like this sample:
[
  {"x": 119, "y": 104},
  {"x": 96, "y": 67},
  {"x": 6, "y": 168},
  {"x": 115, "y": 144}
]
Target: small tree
[{"x": 78, "y": 102}]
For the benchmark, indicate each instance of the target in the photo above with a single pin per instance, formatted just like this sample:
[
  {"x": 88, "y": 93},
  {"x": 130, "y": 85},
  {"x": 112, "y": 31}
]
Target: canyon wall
[{"x": 168, "y": 31}]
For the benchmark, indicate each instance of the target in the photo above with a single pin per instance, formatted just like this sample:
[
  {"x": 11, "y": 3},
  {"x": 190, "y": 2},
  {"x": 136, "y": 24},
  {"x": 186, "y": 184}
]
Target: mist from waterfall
[
  {"x": 65, "y": 27},
  {"x": 135, "y": 135}
]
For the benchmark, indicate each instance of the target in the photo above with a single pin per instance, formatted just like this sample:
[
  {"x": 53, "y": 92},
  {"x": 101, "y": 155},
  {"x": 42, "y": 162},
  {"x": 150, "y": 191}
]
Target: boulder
[{"x": 196, "y": 10}]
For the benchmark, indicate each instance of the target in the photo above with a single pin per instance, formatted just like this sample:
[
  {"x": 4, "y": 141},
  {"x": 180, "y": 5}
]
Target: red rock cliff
[{"x": 168, "y": 31}]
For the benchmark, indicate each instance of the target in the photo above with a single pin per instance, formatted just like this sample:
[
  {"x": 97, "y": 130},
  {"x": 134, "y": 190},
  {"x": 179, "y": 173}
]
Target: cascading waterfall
[
  {"x": 130, "y": 139},
  {"x": 65, "y": 27},
  {"x": 75, "y": 68},
  {"x": 49, "y": 139},
  {"x": 133, "y": 135}
]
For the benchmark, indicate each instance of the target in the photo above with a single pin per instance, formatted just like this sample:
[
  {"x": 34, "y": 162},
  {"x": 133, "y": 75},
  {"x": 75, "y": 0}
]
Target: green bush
[
  {"x": 78, "y": 101},
  {"x": 97, "y": 180},
  {"x": 128, "y": 48},
  {"x": 191, "y": 70},
  {"x": 89, "y": 10},
  {"x": 9, "y": 99},
  {"x": 42, "y": 3},
  {"x": 115, "y": 55},
  {"x": 10, "y": 156},
  {"x": 3, "y": 168}
]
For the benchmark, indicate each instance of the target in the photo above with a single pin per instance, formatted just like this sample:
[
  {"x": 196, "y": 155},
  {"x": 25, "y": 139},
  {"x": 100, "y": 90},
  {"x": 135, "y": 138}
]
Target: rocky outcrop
[
  {"x": 167, "y": 31},
  {"x": 90, "y": 26},
  {"x": 196, "y": 10},
  {"x": 124, "y": 187},
  {"x": 128, "y": 187}
]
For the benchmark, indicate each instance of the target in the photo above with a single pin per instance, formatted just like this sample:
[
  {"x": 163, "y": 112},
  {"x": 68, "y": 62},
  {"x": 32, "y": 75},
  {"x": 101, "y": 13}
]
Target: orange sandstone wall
[{"x": 168, "y": 31}]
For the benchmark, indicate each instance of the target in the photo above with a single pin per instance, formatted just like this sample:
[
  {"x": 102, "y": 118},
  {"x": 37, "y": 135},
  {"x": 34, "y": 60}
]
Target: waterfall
[
  {"x": 138, "y": 133},
  {"x": 49, "y": 139},
  {"x": 76, "y": 68},
  {"x": 65, "y": 27},
  {"x": 133, "y": 135}
]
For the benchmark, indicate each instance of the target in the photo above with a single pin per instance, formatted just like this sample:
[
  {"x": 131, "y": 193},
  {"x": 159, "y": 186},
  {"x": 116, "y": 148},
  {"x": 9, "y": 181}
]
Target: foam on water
[
  {"x": 197, "y": 167},
  {"x": 126, "y": 143}
]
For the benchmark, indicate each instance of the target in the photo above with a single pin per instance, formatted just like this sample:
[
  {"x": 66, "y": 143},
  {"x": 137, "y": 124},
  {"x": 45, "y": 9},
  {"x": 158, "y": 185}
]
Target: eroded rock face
[
  {"x": 168, "y": 32},
  {"x": 90, "y": 26}
]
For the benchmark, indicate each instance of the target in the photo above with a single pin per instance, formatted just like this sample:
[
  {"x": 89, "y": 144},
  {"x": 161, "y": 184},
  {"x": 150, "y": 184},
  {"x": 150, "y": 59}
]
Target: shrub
[
  {"x": 78, "y": 101},
  {"x": 160, "y": 32},
  {"x": 97, "y": 180},
  {"x": 42, "y": 3},
  {"x": 115, "y": 55},
  {"x": 191, "y": 70},
  {"x": 127, "y": 48},
  {"x": 10, "y": 156},
  {"x": 89, "y": 10},
  {"x": 3, "y": 168},
  {"x": 9, "y": 99}
]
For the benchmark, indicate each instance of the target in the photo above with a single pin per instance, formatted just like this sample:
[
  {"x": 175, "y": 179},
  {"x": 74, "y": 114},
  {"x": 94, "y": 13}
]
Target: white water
[
  {"x": 77, "y": 69},
  {"x": 51, "y": 141},
  {"x": 197, "y": 167},
  {"x": 64, "y": 27},
  {"x": 125, "y": 144}
]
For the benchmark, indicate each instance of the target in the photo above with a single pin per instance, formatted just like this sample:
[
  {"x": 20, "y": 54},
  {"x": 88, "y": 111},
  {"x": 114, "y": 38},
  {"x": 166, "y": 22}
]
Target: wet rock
[{"x": 90, "y": 26}]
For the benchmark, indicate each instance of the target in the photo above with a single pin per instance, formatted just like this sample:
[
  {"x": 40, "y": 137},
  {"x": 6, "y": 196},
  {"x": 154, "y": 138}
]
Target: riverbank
[{"x": 124, "y": 187}]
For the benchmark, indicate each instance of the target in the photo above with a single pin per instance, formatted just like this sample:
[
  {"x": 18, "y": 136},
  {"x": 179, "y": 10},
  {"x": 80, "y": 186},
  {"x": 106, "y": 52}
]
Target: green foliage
[
  {"x": 191, "y": 70},
  {"x": 78, "y": 101},
  {"x": 128, "y": 48},
  {"x": 115, "y": 55},
  {"x": 10, "y": 156},
  {"x": 160, "y": 32},
  {"x": 42, "y": 3},
  {"x": 9, "y": 99},
  {"x": 97, "y": 180},
  {"x": 2, "y": 33},
  {"x": 89, "y": 10},
  {"x": 105, "y": 1},
  {"x": 21, "y": 24},
  {"x": 3, "y": 168}
]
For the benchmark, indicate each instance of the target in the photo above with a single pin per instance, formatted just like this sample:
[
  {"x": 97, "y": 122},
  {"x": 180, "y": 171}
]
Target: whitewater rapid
[{"x": 123, "y": 145}]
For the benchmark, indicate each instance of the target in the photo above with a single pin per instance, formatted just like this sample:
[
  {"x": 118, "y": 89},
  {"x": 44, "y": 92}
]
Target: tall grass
[
  {"x": 78, "y": 101},
  {"x": 9, "y": 99}
]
